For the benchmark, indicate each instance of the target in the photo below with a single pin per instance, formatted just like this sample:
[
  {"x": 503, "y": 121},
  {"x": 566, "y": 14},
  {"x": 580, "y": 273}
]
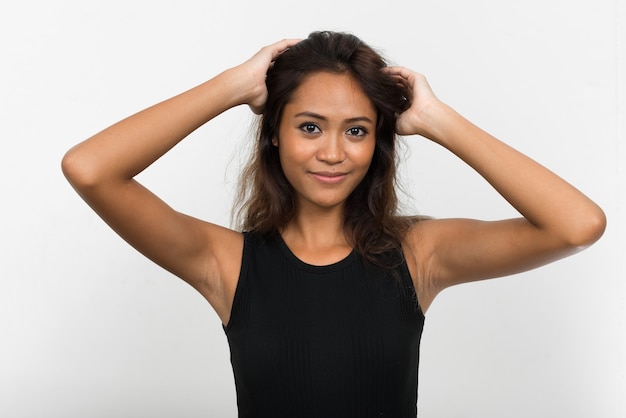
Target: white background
[{"x": 89, "y": 328}]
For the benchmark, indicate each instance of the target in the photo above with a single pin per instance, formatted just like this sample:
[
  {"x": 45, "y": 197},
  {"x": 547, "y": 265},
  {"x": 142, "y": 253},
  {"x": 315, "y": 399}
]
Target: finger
[
  {"x": 281, "y": 46},
  {"x": 398, "y": 70},
  {"x": 257, "y": 110},
  {"x": 403, "y": 83},
  {"x": 408, "y": 77}
]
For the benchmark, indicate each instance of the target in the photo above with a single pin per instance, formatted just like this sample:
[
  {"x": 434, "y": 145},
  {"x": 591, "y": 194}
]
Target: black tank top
[{"x": 332, "y": 341}]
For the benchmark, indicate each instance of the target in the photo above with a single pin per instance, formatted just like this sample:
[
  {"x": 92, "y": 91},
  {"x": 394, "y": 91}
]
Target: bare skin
[
  {"x": 557, "y": 219},
  {"x": 326, "y": 143}
]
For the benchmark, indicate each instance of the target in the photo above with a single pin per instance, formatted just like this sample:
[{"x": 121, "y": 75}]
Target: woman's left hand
[
  {"x": 416, "y": 119},
  {"x": 558, "y": 220}
]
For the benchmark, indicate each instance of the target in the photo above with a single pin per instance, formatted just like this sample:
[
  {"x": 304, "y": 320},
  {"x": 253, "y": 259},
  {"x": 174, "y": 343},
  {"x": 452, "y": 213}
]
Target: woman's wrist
[
  {"x": 436, "y": 121},
  {"x": 241, "y": 87}
]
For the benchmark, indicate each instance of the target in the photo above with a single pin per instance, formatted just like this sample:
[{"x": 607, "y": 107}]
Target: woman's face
[{"x": 326, "y": 139}]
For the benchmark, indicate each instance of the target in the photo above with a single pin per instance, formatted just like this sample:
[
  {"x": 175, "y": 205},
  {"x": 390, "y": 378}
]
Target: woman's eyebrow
[{"x": 324, "y": 118}]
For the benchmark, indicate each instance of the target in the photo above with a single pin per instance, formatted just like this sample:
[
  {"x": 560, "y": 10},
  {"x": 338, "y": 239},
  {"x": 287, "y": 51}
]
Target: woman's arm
[
  {"x": 102, "y": 170},
  {"x": 558, "y": 220}
]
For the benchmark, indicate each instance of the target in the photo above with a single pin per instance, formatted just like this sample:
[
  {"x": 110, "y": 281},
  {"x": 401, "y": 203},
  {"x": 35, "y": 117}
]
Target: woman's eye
[
  {"x": 357, "y": 131},
  {"x": 310, "y": 128}
]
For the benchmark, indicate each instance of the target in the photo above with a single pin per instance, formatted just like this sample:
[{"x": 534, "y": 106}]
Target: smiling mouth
[{"x": 328, "y": 177}]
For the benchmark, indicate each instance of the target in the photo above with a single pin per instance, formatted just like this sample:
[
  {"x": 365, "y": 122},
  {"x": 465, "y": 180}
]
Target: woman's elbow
[
  {"x": 77, "y": 169},
  {"x": 589, "y": 229}
]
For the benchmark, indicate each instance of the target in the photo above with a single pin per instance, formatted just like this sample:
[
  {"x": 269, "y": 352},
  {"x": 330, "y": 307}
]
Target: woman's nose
[{"x": 332, "y": 149}]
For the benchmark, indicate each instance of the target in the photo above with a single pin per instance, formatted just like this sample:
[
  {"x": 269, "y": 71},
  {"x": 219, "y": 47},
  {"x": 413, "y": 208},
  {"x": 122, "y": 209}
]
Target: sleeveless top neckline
[{"x": 313, "y": 268}]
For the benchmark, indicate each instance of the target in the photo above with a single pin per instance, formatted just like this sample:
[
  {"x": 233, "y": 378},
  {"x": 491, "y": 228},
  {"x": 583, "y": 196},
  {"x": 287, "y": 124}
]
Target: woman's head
[
  {"x": 270, "y": 201},
  {"x": 335, "y": 53}
]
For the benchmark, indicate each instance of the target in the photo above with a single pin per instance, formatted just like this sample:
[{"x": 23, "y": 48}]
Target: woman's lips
[{"x": 329, "y": 177}]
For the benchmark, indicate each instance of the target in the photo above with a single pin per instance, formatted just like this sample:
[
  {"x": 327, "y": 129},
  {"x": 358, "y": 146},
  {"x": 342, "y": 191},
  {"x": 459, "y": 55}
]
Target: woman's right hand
[
  {"x": 102, "y": 170},
  {"x": 252, "y": 73}
]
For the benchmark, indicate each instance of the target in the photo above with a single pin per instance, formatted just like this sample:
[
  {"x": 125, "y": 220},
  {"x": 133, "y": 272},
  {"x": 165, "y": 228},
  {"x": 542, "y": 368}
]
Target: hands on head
[
  {"x": 558, "y": 219},
  {"x": 410, "y": 122},
  {"x": 413, "y": 121},
  {"x": 255, "y": 69}
]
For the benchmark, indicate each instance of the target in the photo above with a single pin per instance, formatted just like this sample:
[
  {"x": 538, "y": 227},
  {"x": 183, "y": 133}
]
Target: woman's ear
[{"x": 275, "y": 141}]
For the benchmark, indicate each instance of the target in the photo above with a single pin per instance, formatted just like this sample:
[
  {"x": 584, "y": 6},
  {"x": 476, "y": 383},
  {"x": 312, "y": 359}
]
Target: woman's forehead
[{"x": 331, "y": 95}]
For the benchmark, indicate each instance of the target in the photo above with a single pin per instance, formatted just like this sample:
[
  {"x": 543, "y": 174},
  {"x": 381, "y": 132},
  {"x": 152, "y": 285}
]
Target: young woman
[{"x": 322, "y": 296}]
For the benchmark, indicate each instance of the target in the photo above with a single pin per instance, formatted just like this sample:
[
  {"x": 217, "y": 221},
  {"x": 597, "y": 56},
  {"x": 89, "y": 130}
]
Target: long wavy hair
[{"x": 266, "y": 201}]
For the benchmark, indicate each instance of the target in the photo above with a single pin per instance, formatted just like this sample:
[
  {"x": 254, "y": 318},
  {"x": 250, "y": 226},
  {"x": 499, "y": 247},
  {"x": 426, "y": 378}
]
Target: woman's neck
[{"x": 317, "y": 237}]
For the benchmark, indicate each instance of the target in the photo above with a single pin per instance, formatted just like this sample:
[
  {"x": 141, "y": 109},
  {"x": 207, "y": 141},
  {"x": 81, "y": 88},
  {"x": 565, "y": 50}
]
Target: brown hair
[{"x": 266, "y": 200}]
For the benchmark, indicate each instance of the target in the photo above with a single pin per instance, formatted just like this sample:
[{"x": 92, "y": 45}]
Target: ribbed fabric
[{"x": 322, "y": 341}]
